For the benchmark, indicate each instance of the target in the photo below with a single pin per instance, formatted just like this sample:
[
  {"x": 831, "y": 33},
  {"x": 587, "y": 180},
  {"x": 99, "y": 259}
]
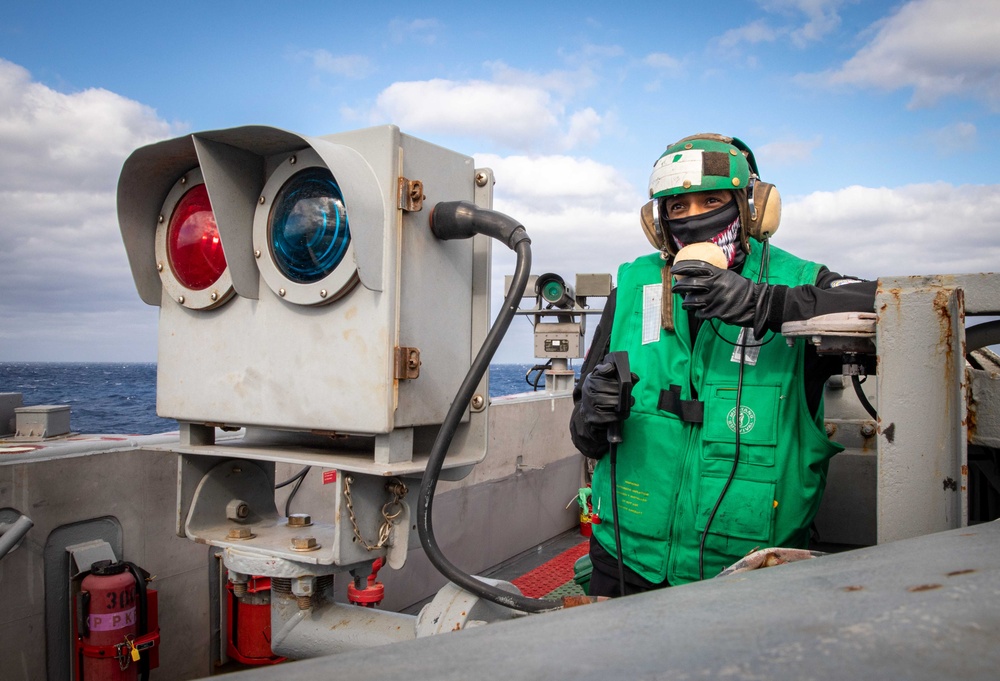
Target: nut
[
  {"x": 304, "y": 544},
  {"x": 299, "y": 520}
]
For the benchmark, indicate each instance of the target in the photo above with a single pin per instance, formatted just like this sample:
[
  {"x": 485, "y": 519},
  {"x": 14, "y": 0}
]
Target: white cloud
[
  {"x": 662, "y": 61},
  {"x": 582, "y": 217},
  {"x": 759, "y": 31},
  {"x": 353, "y": 66},
  {"x": 564, "y": 84},
  {"x": 784, "y": 152},
  {"x": 821, "y": 18},
  {"x": 62, "y": 260},
  {"x": 939, "y": 48},
  {"x": 518, "y": 116},
  {"x": 935, "y": 228},
  {"x": 955, "y": 138},
  {"x": 417, "y": 30},
  {"x": 56, "y": 141}
]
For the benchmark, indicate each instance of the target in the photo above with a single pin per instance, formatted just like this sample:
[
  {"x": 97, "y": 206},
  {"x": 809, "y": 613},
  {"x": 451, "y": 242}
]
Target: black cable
[
  {"x": 856, "y": 380},
  {"x": 425, "y": 501},
  {"x": 540, "y": 369},
  {"x": 764, "y": 274},
  {"x": 291, "y": 495},
  {"x": 737, "y": 341},
  {"x": 300, "y": 474},
  {"x": 732, "y": 473}
]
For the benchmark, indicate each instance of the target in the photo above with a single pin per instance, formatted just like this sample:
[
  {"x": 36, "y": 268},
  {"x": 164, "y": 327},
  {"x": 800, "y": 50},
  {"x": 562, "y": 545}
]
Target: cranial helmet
[{"x": 710, "y": 162}]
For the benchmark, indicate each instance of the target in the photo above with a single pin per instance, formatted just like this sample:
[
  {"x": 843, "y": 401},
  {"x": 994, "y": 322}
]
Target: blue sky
[{"x": 878, "y": 121}]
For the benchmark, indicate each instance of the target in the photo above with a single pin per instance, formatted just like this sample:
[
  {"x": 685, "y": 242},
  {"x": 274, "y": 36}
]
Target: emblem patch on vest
[{"x": 748, "y": 419}]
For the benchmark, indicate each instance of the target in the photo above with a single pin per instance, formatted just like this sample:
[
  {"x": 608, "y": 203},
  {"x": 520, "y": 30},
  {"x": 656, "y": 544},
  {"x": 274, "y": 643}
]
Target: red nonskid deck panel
[{"x": 551, "y": 575}]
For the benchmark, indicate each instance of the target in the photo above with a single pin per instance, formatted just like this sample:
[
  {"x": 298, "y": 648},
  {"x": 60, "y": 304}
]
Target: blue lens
[{"x": 308, "y": 228}]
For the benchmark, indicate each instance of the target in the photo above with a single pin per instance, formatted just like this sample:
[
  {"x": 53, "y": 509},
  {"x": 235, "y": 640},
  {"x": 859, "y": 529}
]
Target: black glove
[
  {"x": 599, "y": 397},
  {"x": 715, "y": 293}
]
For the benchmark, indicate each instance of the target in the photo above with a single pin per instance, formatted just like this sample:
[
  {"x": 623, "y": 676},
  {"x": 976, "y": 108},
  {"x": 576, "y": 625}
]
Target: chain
[{"x": 390, "y": 511}]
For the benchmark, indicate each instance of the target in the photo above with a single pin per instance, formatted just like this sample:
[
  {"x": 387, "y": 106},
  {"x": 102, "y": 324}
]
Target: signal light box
[{"x": 302, "y": 291}]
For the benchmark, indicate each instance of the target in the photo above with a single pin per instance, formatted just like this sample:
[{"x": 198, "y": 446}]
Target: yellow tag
[{"x": 135, "y": 654}]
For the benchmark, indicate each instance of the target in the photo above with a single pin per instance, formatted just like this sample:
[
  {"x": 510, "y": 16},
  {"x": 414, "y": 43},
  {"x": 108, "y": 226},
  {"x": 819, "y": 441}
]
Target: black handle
[{"x": 620, "y": 361}]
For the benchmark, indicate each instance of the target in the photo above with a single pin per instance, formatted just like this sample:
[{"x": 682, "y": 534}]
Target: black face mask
[
  {"x": 704, "y": 227},
  {"x": 720, "y": 226}
]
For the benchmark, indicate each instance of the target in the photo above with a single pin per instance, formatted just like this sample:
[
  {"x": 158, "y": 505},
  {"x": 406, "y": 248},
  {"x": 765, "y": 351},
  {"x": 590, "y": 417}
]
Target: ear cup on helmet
[
  {"x": 764, "y": 210},
  {"x": 649, "y": 217}
]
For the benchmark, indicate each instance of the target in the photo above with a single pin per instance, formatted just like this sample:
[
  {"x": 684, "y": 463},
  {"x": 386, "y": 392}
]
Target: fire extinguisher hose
[{"x": 141, "y": 576}]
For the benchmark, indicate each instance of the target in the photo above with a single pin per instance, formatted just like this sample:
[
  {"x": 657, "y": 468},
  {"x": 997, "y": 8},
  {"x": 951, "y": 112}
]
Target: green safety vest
[{"x": 671, "y": 471}]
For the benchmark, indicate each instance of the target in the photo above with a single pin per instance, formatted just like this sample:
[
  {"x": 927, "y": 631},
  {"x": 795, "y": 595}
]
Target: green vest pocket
[
  {"x": 746, "y": 512},
  {"x": 758, "y": 422}
]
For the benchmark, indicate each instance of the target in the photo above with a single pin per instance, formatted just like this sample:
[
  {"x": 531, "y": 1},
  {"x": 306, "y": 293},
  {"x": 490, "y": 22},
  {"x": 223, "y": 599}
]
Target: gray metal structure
[
  {"x": 122, "y": 492},
  {"x": 921, "y": 608}
]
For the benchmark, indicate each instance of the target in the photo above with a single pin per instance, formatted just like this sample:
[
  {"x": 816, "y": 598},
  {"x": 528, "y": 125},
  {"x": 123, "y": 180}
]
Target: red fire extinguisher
[
  {"x": 250, "y": 623},
  {"x": 114, "y": 613}
]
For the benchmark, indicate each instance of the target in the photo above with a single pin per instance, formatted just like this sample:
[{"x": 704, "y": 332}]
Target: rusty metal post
[{"x": 922, "y": 431}]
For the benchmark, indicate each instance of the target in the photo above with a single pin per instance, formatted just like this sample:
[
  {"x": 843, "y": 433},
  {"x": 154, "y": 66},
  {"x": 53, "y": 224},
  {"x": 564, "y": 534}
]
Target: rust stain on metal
[
  {"x": 955, "y": 573},
  {"x": 971, "y": 417},
  {"x": 941, "y": 306},
  {"x": 923, "y": 587},
  {"x": 853, "y": 587}
]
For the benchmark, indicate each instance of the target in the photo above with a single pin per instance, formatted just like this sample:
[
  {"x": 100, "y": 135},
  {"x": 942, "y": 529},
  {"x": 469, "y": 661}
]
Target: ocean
[{"x": 121, "y": 398}]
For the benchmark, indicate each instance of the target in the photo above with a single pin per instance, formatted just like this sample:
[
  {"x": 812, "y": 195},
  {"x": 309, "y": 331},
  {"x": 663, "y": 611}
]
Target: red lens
[{"x": 193, "y": 244}]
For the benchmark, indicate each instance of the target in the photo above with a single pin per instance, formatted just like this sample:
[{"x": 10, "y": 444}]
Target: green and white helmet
[
  {"x": 711, "y": 162},
  {"x": 700, "y": 163}
]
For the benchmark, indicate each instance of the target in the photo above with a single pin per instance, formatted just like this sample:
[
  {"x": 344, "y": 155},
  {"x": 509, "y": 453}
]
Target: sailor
[{"x": 711, "y": 369}]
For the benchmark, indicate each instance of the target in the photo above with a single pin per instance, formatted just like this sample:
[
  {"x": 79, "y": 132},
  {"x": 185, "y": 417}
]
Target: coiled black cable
[{"x": 425, "y": 500}]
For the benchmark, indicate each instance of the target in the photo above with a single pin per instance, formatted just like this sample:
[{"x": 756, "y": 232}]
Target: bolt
[
  {"x": 215, "y": 295},
  {"x": 867, "y": 430},
  {"x": 304, "y": 544},
  {"x": 281, "y": 292},
  {"x": 482, "y": 179},
  {"x": 239, "y": 589},
  {"x": 180, "y": 299},
  {"x": 293, "y": 160},
  {"x": 305, "y": 602},
  {"x": 478, "y": 402},
  {"x": 299, "y": 520},
  {"x": 240, "y": 533},
  {"x": 830, "y": 429},
  {"x": 256, "y": 252},
  {"x": 323, "y": 293},
  {"x": 261, "y": 200},
  {"x": 159, "y": 267}
]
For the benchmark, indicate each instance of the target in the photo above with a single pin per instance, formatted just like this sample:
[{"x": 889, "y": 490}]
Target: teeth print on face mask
[{"x": 720, "y": 226}]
